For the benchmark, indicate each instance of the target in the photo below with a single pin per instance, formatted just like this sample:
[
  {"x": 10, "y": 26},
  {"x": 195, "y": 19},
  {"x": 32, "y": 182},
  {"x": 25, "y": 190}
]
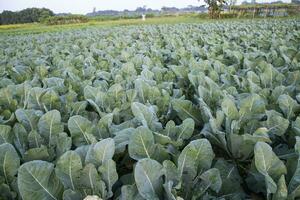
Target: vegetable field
[{"x": 157, "y": 112}]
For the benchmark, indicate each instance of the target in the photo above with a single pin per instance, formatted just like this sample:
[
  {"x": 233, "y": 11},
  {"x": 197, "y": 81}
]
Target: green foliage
[
  {"x": 28, "y": 15},
  {"x": 69, "y": 19},
  {"x": 186, "y": 111}
]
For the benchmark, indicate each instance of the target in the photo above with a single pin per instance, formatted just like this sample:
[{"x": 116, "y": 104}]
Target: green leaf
[
  {"x": 37, "y": 180},
  {"x": 197, "y": 156},
  {"x": 229, "y": 108},
  {"x": 276, "y": 123},
  {"x": 294, "y": 184},
  {"x": 50, "y": 125},
  {"x": 281, "y": 193},
  {"x": 130, "y": 192},
  {"x": 288, "y": 105},
  {"x": 67, "y": 169},
  {"x": 103, "y": 126},
  {"x": 34, "y": 98},
  {"x": 185, "y": 109},
  {"x": 231, "y": 180},
  {"x": 51, "y": 100},
  {"x": 100, "y": 152},
  {"x": 147, "y": 174},
  {"x": 6, "y": 192},
  {"x": 122, "y": 139},
  {"x": 296, "y": 126},
  {"x": 146, "y": 115},
  {"x": 39, "y": 153},
  {"x": 171, "y": 172},
  {"x": 251, "y": 105},
  {"x": 28, "y": 118},
  {"x": 20, "y": 138},
  {"x": 109, "y": 175},
  {"x": 91, "y": 180},
  {"x": 168, "y": 187},
  {"x": 63, "y": 143},
  {"x": 5, "y": 134},
  {"x": 212, "y": 179},
  {"x": 186, "y": 129},
  {"x": 35, "y": 140},
  {"x": 72, "y": 195},
  {"x": 9, "y": 162},
  {"x": 141, "y": 144},
  {"x": 241, "y": 146},
  {"x": 81, "y": 130},
  {"x": 269, "y": 165}
]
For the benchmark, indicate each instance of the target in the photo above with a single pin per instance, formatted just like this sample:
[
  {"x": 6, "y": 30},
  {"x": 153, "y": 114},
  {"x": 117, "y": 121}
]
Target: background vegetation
[{"x": 28, "y": 15}]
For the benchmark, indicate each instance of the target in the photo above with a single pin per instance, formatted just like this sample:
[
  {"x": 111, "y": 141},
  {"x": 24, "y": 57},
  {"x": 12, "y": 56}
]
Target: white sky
[{"x": 85, "y": 6}]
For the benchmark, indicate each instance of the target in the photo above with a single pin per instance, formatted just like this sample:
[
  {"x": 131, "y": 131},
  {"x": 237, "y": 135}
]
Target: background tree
[
  {"x": 231, "y": 3},
  {"x": 215, "y": 7},
  {"x": 28, "y": 15}
]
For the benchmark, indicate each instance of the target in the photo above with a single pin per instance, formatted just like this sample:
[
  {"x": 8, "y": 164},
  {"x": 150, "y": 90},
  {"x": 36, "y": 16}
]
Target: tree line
[{"x": 28, "y": 15}]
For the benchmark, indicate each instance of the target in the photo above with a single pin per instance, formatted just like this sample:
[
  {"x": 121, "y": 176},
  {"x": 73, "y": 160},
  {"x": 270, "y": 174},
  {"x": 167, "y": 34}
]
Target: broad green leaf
[
  {"x": 20, "y": 138},
  {"x": 266, "y": 161},
  {"x": 82, "y": 151},
  {"x": 186, "y": 129},
  {"x": 28, "y": 118},
  {"x": 170, "y": 129},
  {"x": 63, "y": 143},
  {"x": 276, "y": 123},
  {"x": 109, "y": 175},
  {"x": 6, "y": 192},
  {"x": 50, "y": 125},
  {"x": 251, "y": 105},
  {"x": 281, "y": 192},
  {"x": 141, "y": 144},
  {"x": 81, "y": 130},
  {"x": 9, "y": 162},
  {"x": 35, "y": 140},
  {"x": 294, "y": 184},
  {"x": 91, "y": 181},
  {"x": 122, "y": 139},
  {"x": 103, "y": 126},
  {"x": 147, "y": 174},
  {"x": 5, "y": 134},
  {"x": 71, "y": 195},
  {"x": 288, "y": 105},
  {"x": 37, "y": 180},
  {"x": 241, "y": 146},
  {"x": 212, "y": 179},
  {"x": 51, "y": 100},
  {"x": 296, "y": 126},
  {"x": 67, "y": 169},
  {"x": 34, "y": 98},
  {"x": 168, "y": 187},
  {"x": 146, "y": 115},
  {"x": 39, "y": 153},
  {"x": 160, "y": 153},
  {"x": 197, "y": 156},
  {"x": 231, "y": 180},
  {"x": 171, "y": 172},
  {"x": 100, "y": 152},
  {"x": 230, "y": 109},
  {"x": 130, "y": 192},
  {"x": 269, "y": 165},
  {"x": 185, "y": 109}
]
